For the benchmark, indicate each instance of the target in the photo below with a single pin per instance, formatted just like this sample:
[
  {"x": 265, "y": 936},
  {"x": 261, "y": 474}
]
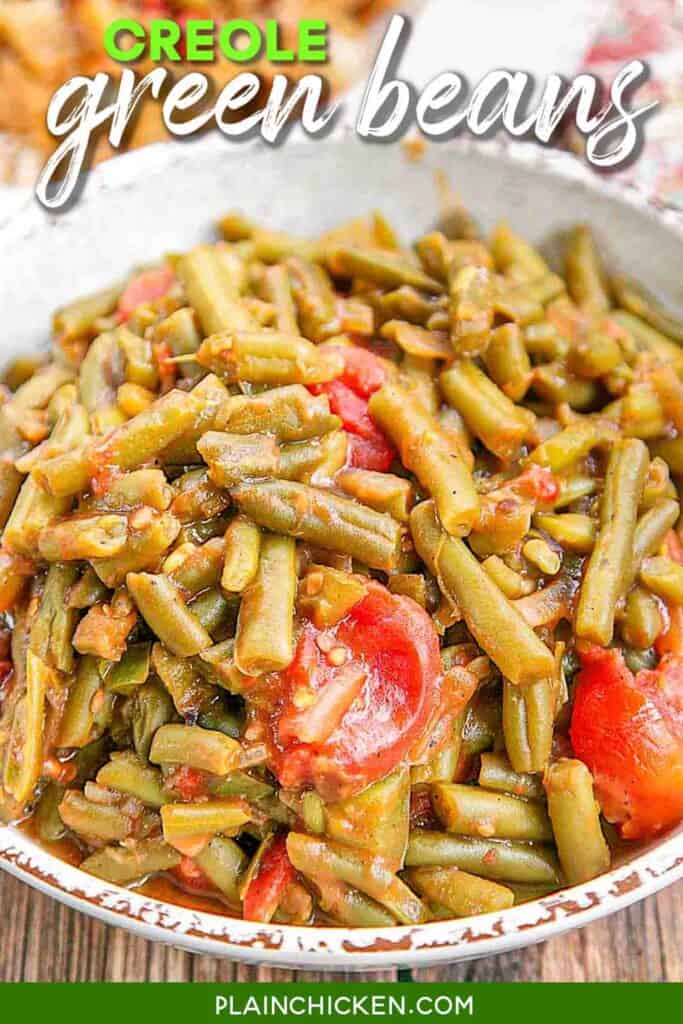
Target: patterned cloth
[{"x": 650, "y": 30}]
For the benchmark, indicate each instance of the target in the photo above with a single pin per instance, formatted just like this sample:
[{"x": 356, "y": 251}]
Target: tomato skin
[
  {"x": 267, "y": 887},
  {"x": 539, "y": 484},
  {"x": 395, "y": 642},
  {"x": 629, "y": 732},
  {"x": 145, "y": 287}
]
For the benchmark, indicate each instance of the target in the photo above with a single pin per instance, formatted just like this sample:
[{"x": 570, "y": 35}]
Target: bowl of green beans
[{"x": 341, "y": 576}]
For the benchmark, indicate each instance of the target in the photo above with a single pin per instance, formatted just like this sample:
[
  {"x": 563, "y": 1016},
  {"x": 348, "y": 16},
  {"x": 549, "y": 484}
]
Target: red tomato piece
[
  {"x": 537, "y": 483},
  {"x": 378, "y": 698},
  {"x": 629, "y": 731},
  {"x": 364, "y": 372},
  {"x": 366, "y": 454},
  {"x": 188, "y": 783},
  {"x": 190, "y": 876},
  {"x": 147, "y": 286},
  {"x": 267, "y": 887}
]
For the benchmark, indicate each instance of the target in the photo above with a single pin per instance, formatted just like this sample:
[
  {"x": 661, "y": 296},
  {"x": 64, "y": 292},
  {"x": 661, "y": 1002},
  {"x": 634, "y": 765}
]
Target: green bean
[
  {"x": 555, "y": 384},
  {"x": 315, "y": 300},
  {"x": 324, "y": 519},
  {"x": 163, "y": 609},
  {"x": 105, "y": 822},
  {"x": 318, "y": 858},
  {"x": 48, "y": 825},
  {"x": 510, "y": 251},
  {"x": 586, "y": 277},
  {"x": 507, "y": 361},
  {"x": 53, "y": 627},
  {"x": 83, "y": 537},
  {"x": 497, "y": 773},
  {"x": 314, "y": 461},
  {"x": 124, "y": 865},
  {"x": 470, "y": 811},
  {"x": 265, "y": 626},
  {"x": 223, "y": 863},
  {"x": 497, "y": 859},
  {"x": 646, "y": 337},
  {"x": 499, "y": 424},
  {"x": 349, "y": 906},
  {"x": 213, "y": 277},
  {"x": 241, "y": 784},
  {"x": 213, "y": 611},
  {"x": 140, "y": 487},
  {"x": 242, "y": 547},
  {"x": 610, "y": 563},
  {"x": 269, "y": 246},
  {"x": 571, "y": 530},
  {"x": 151, "y": 707},
  {"x": 461, "y": 893},
  {"x": 102, "y": 370},
  {"x": 181, "y": 821},
  {"x": 209, "y": 394},
  {"x": 376, "y": 819},
  {"x": 416, "y": 341},
  {"x": 79, "y": 317},
  {"x": 379, "y": 267},
  {"x": 144, "y": 548},
  {"x": 406, "y": 303},
  {"x": 199, "y": 748},
  {"x": 198, "y": 497},
  {"x": 200, "y": 569},
  {"x": 490, "y": 617},
  {"x": 426, "y": 450},
  {"x": 671, "y": 450},
  {"x": 512, "y": 584},
  {"x": 638, "y": 301},
  {"x": 26, "y": 742},
  {"x": 382, "y": 491},
  {"x": 289, "y": 413},
  {"x": 642, "y": 622},
  {"x": 126, "y": 675},
  {"x": 575, "y": 816},
  {"x": 179, "y": 332},
  {"x": 278, "y": 291},
  {"x": 471, "y": 308},
  {"x": 232, "y": 458},
  {"x": 443, "y": 766},
  {"x": 85, "y": 708},
  {"x": 528, "y": 719},
  {"x": 127, "y": 773},
  {"x": 268, "y": 357},
  {"x": 664, "y": 577},
  {"x": 651, "y": 530}
]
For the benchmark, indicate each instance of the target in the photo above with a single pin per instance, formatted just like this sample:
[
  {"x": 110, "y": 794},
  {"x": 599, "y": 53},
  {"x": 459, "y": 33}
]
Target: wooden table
[{"x": 41, "y": 940}]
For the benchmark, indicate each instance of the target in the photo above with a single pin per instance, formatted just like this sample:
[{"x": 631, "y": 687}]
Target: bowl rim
[{"x": 328, "y": 948}]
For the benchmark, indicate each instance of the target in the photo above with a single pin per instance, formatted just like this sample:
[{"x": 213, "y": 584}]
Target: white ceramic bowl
[{"x": 165, "y": 198}]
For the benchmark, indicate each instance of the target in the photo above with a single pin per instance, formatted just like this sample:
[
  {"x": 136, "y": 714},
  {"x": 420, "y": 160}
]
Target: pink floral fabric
[{"x": 650, "y": 30}]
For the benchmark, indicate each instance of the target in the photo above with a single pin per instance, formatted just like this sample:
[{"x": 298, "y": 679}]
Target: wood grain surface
[{"x": 41, "y": 940}]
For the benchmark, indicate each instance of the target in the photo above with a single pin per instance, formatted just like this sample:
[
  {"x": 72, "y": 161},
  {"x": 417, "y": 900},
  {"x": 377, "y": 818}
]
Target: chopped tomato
[
  {"x": 364, "y": 372},
  {"x": 369, "y": 447},
  {"x": 145, "y": 287},
  {"x": 188, "y": 783},
  {"x": 538, "y": 484},
  {"x": 366, "y": 454},
  {"x": 267, "y": 887},
  {"x": 629, "y": 731},
  {"x": 190, "y": 876},
  {"x": 377, "y": 675}
]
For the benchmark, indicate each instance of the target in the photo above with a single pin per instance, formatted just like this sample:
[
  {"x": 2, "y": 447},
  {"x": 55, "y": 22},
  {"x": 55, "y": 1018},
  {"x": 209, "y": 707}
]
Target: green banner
[{"x": 247, "y": 1003}]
